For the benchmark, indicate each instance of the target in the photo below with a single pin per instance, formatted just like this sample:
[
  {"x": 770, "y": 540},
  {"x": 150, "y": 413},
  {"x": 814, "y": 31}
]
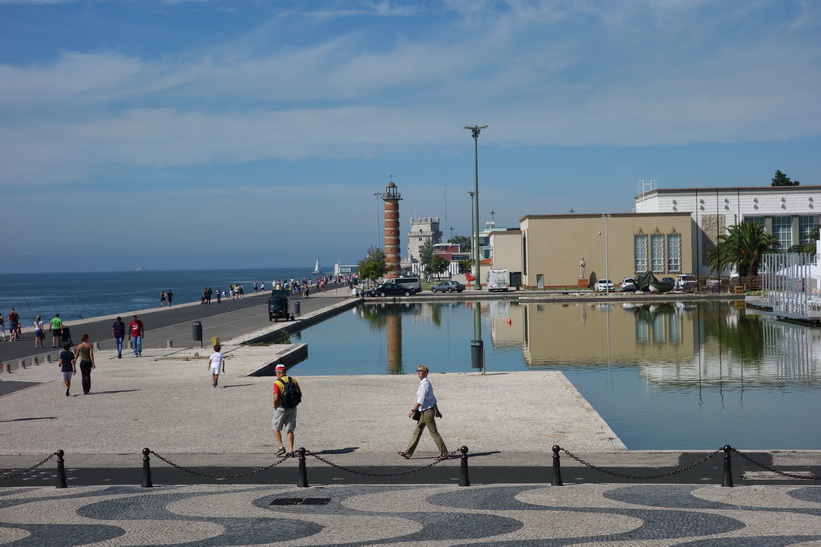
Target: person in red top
[
  {"x": 137, "y": 334},
  {"x": 14, "y": 321}
]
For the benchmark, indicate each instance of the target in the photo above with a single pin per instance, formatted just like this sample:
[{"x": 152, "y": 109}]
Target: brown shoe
[{"x": 406, "y": 456}]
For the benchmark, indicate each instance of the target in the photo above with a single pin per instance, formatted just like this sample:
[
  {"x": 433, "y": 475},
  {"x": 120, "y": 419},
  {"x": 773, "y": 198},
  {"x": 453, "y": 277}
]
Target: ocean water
[{"x": 93, "y": 294}]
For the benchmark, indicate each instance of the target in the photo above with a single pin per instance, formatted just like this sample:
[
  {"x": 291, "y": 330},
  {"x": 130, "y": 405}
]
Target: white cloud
[{"x": 541, "y": 73}]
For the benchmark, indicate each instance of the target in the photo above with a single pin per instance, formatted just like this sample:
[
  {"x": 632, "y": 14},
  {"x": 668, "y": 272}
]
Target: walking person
[
  {"x": 426, "y": 405},
  {"x": 170, "y": 295},
  {"x": 2, "y": 327},
  {"x": 137, "y": 334},
  {"x": 68, "y": 367},
  {"x": 118, "y": 333},
  {"x": 39, "y": 332},
  {"x": 162, "y": 299},
  {"x": 14, "y": 320},
  {"x": 85, "y": 354},
  {"x": 56, "y": 325},
  {"x": 287, "y": 394},
  {"x": 215, "y": 363}
]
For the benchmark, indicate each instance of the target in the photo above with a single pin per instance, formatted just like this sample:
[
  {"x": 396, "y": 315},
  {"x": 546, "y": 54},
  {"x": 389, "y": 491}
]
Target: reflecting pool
[{"x": 669, "y": 376}]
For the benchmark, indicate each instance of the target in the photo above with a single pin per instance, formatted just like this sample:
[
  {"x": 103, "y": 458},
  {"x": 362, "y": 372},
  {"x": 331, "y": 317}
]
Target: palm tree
[
  {"x": 809, "y": 246},
  {"x": 742, "y": 246}
]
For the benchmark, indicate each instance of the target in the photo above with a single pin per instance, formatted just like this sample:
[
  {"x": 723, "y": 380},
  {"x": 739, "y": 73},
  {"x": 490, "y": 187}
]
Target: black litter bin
[
  {"x": 196, "y": 332},
  {"x": 477, "y": 354},
  {"x": 296, "y": 308}
]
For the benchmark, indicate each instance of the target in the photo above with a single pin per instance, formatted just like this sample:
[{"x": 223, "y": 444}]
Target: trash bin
[
  {"x": 296, "y": 308},
  {"x": 477, "y": 354},
  {"x": 196, "y": 331}
]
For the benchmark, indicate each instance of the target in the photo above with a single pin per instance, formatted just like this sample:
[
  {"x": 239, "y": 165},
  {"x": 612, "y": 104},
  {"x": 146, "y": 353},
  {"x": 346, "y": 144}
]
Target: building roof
[
  {"x": 599, "y": 215},
  {"x": 729, "y": 190}
]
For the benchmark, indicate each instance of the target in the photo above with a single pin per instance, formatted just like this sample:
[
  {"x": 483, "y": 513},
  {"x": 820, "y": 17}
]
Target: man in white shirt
[{"x": 426, "y": 404}]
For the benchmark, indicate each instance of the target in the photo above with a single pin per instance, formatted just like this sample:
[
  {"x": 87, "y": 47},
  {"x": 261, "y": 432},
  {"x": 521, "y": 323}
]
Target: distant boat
[
  {"x": 139, "y": 269},
  {"x": 317, "y": 268}
]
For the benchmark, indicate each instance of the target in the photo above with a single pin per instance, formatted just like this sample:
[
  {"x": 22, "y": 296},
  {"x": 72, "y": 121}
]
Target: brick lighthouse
[{"x": 391, "y": 198}]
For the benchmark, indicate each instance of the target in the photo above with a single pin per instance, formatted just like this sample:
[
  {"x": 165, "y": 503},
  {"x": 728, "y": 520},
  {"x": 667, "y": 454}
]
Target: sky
[{"x": 199, "y": 134}]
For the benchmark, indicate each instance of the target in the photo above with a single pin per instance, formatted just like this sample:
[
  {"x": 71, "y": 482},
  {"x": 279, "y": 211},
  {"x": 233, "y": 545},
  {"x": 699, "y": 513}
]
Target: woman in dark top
[{"x": 85, "y": 355}]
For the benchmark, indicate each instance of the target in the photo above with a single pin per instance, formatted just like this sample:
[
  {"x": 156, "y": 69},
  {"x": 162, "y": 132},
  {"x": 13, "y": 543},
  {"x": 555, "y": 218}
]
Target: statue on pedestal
[{"x": 581, "y": 268}]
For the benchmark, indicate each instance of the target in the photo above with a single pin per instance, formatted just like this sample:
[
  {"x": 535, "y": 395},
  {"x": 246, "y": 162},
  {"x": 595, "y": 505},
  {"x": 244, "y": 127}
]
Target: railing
[{"x": 302, "y": 479}]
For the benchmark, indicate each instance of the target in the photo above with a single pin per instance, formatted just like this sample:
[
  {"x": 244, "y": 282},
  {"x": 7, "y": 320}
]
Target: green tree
[
  {"x": 810, "y": 246},
  {"x": 373, "y": 265},
  {"x": 463, "y": 242},
  {"x": 743, "y": 247},
  {"x": 426, "y": 252},
  {"x": 780, "y": 179},
  {"x": 438, "y": 265}
]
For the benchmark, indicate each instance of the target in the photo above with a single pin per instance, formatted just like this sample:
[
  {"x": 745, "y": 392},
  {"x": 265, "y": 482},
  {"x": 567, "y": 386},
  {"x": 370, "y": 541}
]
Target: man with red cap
[{"x": 286, "y": 397}]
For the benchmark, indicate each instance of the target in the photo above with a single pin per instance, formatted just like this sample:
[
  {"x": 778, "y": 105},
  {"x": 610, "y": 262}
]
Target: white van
[{"x": 412, "y": 283}]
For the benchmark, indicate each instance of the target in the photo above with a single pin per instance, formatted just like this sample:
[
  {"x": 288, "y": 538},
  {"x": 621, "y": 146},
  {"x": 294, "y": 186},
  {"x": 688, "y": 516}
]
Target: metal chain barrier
[
  {"x": 32, "y": 468},
  {"x": 234, "y": 476},
  {"x": 768, "y": 468},
  {"x": 366, "y": 474},
  {"x": 641, "y": 477}
]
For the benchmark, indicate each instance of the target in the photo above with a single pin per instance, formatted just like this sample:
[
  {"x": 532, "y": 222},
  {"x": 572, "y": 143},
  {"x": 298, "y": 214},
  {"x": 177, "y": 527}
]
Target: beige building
[{"x": 561, "y": 250}]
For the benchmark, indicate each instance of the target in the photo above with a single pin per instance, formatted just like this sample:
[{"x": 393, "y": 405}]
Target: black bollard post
[
  {"x": 61, "y": 470},
  {"x": 728, "y": 470},
  {"x": 147, "y": 469},
  {"x": 302, "y": 481},
  {"x": 463, "y": 474},
  {"x": 557, "y": 468}
]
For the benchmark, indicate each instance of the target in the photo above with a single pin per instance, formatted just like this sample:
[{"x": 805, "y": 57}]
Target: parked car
[
  {"x": 413, "y": 283},
  {"x": 391, "y": 289},
  {"x": 604, "y": 285},
  {"x": 448, "y": 286},
  {"x": 629, "y": 285}
]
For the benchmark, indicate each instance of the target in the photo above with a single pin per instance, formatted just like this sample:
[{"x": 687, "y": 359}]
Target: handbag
[{"x": 416, "y": 415}]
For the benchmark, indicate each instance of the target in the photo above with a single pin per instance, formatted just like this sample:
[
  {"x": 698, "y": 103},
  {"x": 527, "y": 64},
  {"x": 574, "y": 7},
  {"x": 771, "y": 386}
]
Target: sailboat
[{"x": 317, "y": 268}]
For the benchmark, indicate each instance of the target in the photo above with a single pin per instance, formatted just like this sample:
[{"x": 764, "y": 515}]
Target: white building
[
  {"x": 421, "y": 231},
  {"x": 788, "y": 212}
]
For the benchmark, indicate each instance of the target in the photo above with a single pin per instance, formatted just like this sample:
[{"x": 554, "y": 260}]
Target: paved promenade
[{"x": 234, "y": 491}]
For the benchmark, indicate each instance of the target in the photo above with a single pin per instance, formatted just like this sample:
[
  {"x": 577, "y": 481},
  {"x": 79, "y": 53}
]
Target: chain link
[
  {"x": 32, "y": 468},
  {"x": 768, "y": 468},
  {"x": 235, "y": 476},
  {"x": 641, "y": 477},
  {"x": 366, "y": 474}
]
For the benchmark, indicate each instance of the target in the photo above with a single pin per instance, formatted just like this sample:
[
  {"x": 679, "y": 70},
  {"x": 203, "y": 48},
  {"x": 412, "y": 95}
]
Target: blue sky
[{"x": 215, "y": 134}]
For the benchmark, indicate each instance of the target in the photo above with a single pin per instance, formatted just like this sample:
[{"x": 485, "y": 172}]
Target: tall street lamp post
[
  {"x": 477, "y": 346},
  {"x": 606, "y": 254},
  {"x": 475, "y": 130}
]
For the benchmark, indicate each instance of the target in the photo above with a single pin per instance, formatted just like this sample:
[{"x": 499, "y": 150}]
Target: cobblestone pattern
[{"x": 211, "y": 515}]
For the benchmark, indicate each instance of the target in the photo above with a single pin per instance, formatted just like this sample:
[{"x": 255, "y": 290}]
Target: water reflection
[{"x": 664, "y": 376}]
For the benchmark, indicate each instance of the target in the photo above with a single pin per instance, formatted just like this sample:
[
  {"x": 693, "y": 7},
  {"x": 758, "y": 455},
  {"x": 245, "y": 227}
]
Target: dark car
[
  {"x": 448, "y": 286},
  {"x": 391, "y": 289}
]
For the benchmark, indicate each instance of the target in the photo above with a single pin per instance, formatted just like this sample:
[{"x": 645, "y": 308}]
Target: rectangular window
[
  {"x": 805, "y": 227},
  {"x": 657, "y": 252},
  {"x": 640, "y": 253},
  {"x": 757, "y": 220},
  {"x": 782, "y": 229},
  {"x": 673, "y": 252}
]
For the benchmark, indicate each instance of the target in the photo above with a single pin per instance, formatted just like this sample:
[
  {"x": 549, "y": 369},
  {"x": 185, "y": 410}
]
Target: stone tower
[{"x": 391, "y": 198}]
